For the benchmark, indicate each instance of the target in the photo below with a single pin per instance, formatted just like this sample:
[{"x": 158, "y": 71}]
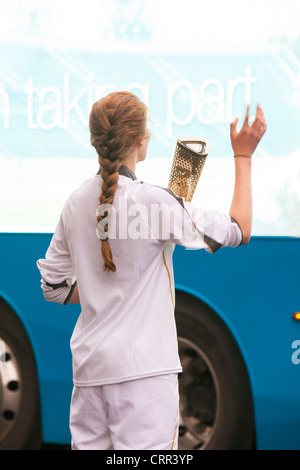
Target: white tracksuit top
[{"x": 126, "y": 329}]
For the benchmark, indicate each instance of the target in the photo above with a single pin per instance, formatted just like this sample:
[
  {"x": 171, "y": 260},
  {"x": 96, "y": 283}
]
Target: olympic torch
[{"x": 188, "y": 162}]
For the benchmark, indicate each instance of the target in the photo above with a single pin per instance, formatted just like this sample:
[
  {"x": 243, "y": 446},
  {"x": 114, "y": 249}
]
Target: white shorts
[{"x": 135, "y": 415}]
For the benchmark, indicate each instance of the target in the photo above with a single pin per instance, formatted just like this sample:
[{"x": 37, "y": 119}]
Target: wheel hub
[
  {"x": 10, "y": 389},
  {"x": 199, "y": 393}
]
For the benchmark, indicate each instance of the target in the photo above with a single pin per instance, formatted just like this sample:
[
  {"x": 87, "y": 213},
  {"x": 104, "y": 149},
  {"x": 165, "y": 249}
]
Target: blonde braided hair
[{"x": 116, "y": 122}]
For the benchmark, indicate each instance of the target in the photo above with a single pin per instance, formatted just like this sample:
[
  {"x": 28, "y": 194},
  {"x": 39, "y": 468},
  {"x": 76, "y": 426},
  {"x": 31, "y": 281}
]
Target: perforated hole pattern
[{"x": 185, "y": 172}]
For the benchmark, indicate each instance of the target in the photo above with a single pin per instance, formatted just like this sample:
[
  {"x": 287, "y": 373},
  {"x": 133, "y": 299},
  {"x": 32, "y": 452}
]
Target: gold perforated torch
[{"x": 188, "y": 162}]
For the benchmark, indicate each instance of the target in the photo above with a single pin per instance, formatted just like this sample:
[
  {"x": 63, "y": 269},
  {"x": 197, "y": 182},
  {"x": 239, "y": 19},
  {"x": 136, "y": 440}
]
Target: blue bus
[{"x": 237, "y": 311}]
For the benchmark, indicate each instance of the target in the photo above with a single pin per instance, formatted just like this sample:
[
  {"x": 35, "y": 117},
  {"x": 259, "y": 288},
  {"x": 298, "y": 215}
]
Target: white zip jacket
[{"x": 126, "y": 329}]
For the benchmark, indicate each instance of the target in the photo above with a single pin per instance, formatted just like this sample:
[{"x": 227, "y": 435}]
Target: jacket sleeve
[
  {"x": 215, "y": 228},
  {"x": 57, "y": 272},
  {"x": 195, "y": 228}
]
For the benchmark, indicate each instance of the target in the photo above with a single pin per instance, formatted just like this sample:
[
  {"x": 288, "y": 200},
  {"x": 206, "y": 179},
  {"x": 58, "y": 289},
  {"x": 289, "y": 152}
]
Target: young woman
[{"x": 112, "y": 253}]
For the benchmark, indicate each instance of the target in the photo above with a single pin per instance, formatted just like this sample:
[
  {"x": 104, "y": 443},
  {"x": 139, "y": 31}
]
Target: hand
[{"x": 246, "y": 141}]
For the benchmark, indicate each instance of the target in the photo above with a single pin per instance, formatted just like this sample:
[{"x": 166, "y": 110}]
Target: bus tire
[
  {"x": 20, "y": 425},
  {"x": 216, "y": 409}
]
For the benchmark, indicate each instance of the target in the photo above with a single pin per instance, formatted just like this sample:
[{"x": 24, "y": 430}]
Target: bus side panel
[
  {"x": 257, "y": 288},
  {"x": 49, "y": 328}
]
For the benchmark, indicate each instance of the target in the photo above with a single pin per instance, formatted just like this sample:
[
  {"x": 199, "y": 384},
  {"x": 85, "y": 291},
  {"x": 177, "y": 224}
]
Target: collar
[{"x": 124, "y": 171}]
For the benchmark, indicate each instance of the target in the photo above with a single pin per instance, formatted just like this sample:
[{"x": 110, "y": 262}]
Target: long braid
[
  {"x": 115, "y": 123},
  {"x": 110, "y": 178}
]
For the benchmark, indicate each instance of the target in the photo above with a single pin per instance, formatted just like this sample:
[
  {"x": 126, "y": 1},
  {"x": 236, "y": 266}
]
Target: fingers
[
  {"x": 246, "y": 140},
  {"x": 259, "y": 124},
  {"x": 233, "y": 131},
  {"x": 234, "y": 123},
  {"x": 246, "y": 122}
]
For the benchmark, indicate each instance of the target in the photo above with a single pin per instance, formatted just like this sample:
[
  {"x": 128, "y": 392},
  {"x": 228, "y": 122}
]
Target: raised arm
[{"x": 244, "y": 144}]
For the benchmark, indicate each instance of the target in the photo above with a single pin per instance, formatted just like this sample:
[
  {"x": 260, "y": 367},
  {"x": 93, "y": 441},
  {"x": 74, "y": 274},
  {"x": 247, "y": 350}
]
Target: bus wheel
[
  {"x": 216, "y": 410},
  {"x": 19, "y": 398}
]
